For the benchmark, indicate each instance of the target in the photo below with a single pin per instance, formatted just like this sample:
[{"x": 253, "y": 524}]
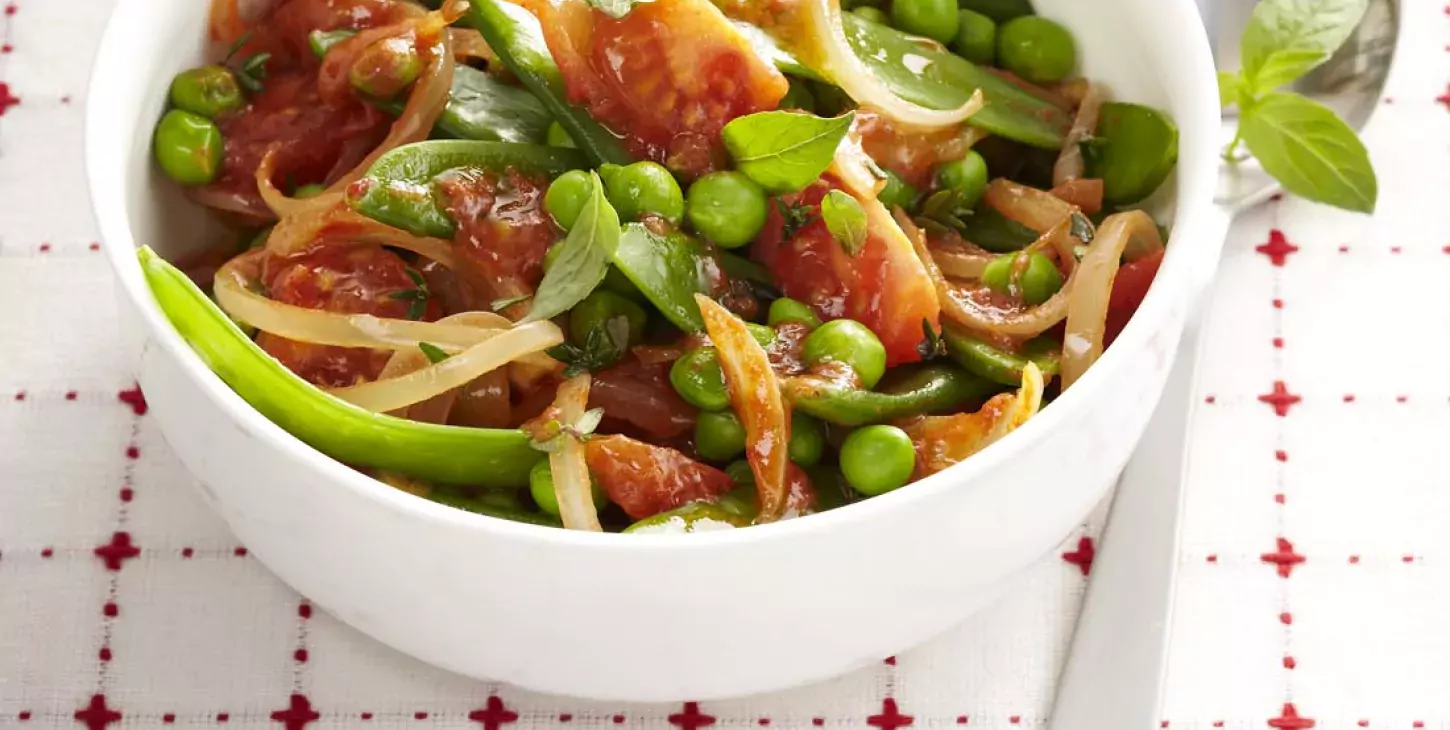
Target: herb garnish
[
  {"x": 602, "y": 347},
  {"x": 794, "y": 216},
  {"x": 846, "y": 221},
  {"x": 253, "y": 71},
  {"x": 1301, "y": 143},
  {"x": 584, "y": 257},
  {"x": 417, "y": 296},
  {"x": 550, "y": 437},
  {"x": 434, "y": 353},
  {"x": 785, "y": 151},
  {"x": 933, "y": 346}
]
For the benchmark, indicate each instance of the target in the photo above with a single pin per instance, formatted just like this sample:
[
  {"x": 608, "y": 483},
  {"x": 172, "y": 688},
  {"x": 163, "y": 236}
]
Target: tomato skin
[
  {"x": 503, "y": 231},
  {"x": 344, "y": 279},
  {"x": 1129, "y": 289},
  {"x": 812, "y": 268},
  {"x": 667, "y": 77},
  {"x": 646, "y": 480}
]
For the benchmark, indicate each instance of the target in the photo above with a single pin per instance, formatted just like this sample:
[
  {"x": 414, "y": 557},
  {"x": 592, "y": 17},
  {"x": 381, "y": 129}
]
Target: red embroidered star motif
[
  {"x": 1278, "y": 248},
  {"x": 299, "y": 712},
  {"x": 494, "y": 715},
  {"x": 1445, "y": 97},
  {"x": 1083, "y": 556},
  {"x": 135, "y": 398},
  {"x": 890, "y": 718},
  {"x": 691, "y": 718},
  {"x": 96, "y": 715},
  {"x": 1280, "y": 398},
  {"x": 1289, "y": 719},
  {"x": 116, "y": 552},
  {"x": 1285, "y": 558},
  {"x": 7, "y": 99}
]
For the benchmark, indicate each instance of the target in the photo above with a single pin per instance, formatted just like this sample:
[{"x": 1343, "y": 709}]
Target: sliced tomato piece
[
  {"x": 503, "y": 230},
  {"x": 646, "y": 480},
  {"x": 884, "y": 286},
  {"x": 1129, "y": 288},
  {"x": 641, "y": 395},
  {"x": 345, "y": 279},
  {"x": 666, "y": 77},
  {"x": 913, "y": 154}
]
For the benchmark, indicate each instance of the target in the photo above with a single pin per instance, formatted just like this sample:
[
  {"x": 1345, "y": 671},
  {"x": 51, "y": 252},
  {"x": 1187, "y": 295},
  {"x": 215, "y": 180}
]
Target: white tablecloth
[{"x": 1314, "y": 579}]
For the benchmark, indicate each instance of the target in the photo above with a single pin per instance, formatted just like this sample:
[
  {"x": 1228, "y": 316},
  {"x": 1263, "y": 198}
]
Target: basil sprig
[
  {"x": 584, "y": 257},
  {"x": 785, "y": 151},
  {"x": 1309, "y": 150},
  {"x": 846, "y": 221}
]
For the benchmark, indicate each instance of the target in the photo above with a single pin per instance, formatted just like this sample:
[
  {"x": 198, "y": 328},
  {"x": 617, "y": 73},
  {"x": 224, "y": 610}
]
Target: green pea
[
  {"x": 208, "y": 91},
  {"x": 786, "y": 309},
  {"x": 764, "y": 335},
  {"x": 976, "y": 38},
  {"x": 693, "y": 517},
  {"x": 999, "y": 10},
  {"x": 875, "y": 15},
  {"x": 719, "y": 436},
  {"x": 850, "y": 342},
  {"x": 697, "y": 377},
  {"x": 556, "y": 136},
  {"x": 740, "y": 501},
  {"x": 643, "y": 188},
  {"x": 967, "y": 176},
  {"x": 309, "y": 191},
  {"x": 807, "y": 440},
  {"x": 385, "y": 68},
  {"x": 727, "y": 208},
  {"x": 601, "y": 306},
  {"x": 1039, "y": 280},
  {"x": 740, "y": 473},
  {"x": 1036, "y": 49},
  {"x": 799, "y": 97},
  {"x": 188, "y": 147},
  {"x": 566, "y": 197},
  {"x": 541, "y": 487},
  {"x": 935, "y": 19},
  {"x": 877, "y": 459},
  {"x": 898, "y": 193}
]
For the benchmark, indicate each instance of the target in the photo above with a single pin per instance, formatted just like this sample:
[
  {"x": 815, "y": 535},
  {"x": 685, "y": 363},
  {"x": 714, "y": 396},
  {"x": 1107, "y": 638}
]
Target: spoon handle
[{"x": 1116, "y": 666}]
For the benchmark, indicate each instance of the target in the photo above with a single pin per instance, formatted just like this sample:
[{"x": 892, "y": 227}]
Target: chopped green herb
[
  {"x": 795, "y": 216},
  {"x": 602, "y": 347},
  {"x": 846, "y": 221},
  {"x": 499, "y": 305},
  {"x": 434, "y": 353},
  {"x": 253, "y": 71}
]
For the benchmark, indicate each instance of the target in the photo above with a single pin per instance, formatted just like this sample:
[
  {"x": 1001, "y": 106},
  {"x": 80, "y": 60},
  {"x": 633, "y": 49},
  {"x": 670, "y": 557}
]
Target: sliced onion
[
  {"x": 943, "y": 441},
  {"x": 755, "y": 393},
  {"x": 438, "y": 408},
  {"x": 1087, "y": 310},
  {"x": 961, "y": 264},
  {"x": 1057, "y": 241},
  {"x": 469, "y": 44},
  {"x": 958, "y": 305},
  {"x": 321, "y": 327},
  {"x": 1036, "y": 209},
  {"x": 857, "y": 80},
  {"x": 294, "y": 234},
  {"x": 572, "y": 486},
  {"x": 1069, "y": 165},
  {"x": 498, "y": 348},
  {"x": 281, "y": 205},
  {"x": 1025, "y": 405},
  {"x": 246, "y": 206}
]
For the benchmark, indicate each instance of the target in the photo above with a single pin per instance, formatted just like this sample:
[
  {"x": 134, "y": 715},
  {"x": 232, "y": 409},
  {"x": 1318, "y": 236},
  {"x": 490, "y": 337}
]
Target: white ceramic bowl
[{"x": 660, "y": 617}]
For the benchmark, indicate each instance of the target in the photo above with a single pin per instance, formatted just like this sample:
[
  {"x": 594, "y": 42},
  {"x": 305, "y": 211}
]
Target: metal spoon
[{"x": 1115, "y": 672}]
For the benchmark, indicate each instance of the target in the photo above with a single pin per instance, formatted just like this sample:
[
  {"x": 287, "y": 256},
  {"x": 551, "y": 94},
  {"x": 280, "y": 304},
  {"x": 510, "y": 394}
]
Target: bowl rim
[{"x": 1196, "y": 174}]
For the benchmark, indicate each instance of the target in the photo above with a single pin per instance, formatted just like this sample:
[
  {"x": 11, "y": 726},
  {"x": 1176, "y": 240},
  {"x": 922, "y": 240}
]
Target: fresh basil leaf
[
  {"x": 614, "y": 8},
  {"x": 1284, "y": 66},
  {"x": 1320, "y": 26},
  {"x": 785, "y": 151},
  {"x": 1230, "y": 85},
  {"x": 583, "y": 259},
  {"x": 846, "y": 221},
  {"x": 499, "y": 305},
  {"x": 434, "y": 353},
  {"x": 1310, "y": 151}
]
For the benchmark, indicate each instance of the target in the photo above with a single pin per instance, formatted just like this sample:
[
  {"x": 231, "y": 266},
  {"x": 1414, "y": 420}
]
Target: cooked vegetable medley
[{"x": 654, "y": 265}]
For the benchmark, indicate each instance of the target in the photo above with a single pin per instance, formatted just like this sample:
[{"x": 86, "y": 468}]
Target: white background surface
[{"x": 191, "y": 631}]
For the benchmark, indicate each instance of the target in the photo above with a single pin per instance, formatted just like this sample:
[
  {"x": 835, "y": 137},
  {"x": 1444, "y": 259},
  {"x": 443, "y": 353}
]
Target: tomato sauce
[
  {"x": 351, "y": 280},
  {"x": 503, "y": 230},
  {"x": 641, "y": 396},
  {"x": 913, "y": 154}
]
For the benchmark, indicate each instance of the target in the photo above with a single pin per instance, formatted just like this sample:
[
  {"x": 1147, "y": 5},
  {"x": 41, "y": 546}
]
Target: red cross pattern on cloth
[
  {"x": 7, "y": 99},
  {"x": 116, "y": 552},
  {"x": 96, "y": 715},
  {"x": 135, "y": 398},
  {"x": 299, "y": 712},
  {"x": 691, "y": 718},
  {"x": 1278, "y": 248},
  {"x": 890, "y": 718},
  {"x": 494, "y": 714},
  {"x": 1284, "y": 558},
  {"x": 1083, "y": 556},
  {"x": 1289, "y": 719},
  {"x": 1280, "y": 398}
]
